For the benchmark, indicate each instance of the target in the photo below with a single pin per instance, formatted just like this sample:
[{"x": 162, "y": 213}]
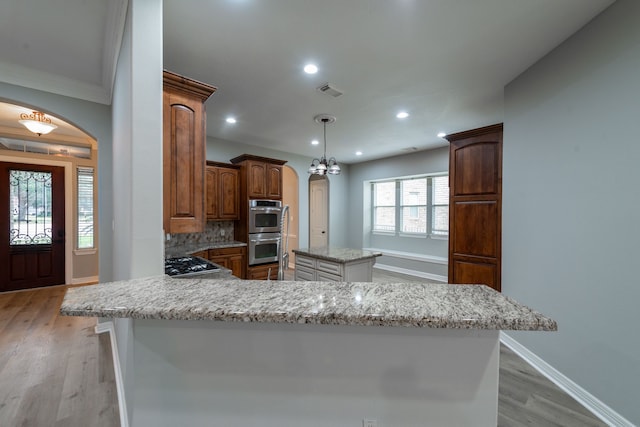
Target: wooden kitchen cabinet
[
  {"x": 260, "y": 177},
  {"x": 260, "y": 272},
  {"x": 232, "y": 258},
  {"x": 183, "y": 134},
  {"x": 475, "y": 206},
  {"x": 222, "y": 195}
]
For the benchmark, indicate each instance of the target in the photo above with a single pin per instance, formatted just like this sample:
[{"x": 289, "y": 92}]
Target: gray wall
[
  {"x": 137, "y": 172},
  {"x": 222, "y": 151},
  {"x": 571, "y": 204},
  {"x": 421, "y": 162}
]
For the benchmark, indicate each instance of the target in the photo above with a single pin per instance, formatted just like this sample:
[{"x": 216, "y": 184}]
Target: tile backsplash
[{"x": 214, "y": 232}]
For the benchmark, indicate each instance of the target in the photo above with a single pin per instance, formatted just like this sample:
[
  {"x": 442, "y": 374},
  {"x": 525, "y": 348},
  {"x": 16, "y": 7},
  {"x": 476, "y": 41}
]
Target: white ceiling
[{"x": 445, "y": 62}]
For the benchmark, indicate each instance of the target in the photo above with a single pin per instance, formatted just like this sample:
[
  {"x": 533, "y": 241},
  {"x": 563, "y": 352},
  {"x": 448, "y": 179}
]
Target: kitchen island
[
  {"x": 327, "y": 264},
  {"x": 289, "y": 353}
]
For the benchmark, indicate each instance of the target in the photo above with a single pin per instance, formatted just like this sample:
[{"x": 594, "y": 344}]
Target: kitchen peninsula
[
  {"x": 334, "y": 264},
  {"x": 292, "y": 353}
]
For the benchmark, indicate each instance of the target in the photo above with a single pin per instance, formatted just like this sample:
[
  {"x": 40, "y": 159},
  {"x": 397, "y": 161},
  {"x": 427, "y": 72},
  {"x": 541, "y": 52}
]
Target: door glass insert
[{"x": 29, "y": 207}]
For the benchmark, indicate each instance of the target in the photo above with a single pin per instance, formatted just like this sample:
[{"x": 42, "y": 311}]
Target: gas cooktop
[{"x": 188, "y": 265}]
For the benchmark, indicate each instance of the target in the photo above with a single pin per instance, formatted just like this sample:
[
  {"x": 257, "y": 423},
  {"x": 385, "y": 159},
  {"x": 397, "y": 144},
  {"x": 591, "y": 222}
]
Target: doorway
[
  {"x": 32, "y": 219},
  {"x": 318, "y": 211}
]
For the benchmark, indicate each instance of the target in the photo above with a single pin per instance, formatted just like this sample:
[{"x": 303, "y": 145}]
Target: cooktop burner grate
[{"x": 188, "y": 265}]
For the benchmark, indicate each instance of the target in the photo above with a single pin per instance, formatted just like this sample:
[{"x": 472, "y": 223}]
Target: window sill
[{"x": 89, "y": 251}]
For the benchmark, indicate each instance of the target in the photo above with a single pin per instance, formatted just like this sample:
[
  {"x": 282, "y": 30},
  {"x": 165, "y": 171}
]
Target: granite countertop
[
  {"x": 336, "y": 303},
  {"x": 182, "y": 250},
  {"x": 337, "y": 254}
]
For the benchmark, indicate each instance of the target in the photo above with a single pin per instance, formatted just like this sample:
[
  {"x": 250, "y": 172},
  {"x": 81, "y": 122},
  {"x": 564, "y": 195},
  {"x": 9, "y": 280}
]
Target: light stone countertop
[
  {"x": 335, "y": 303},
  {"x": 341, "y": 255},
  {"x": 188, "y": 249}
]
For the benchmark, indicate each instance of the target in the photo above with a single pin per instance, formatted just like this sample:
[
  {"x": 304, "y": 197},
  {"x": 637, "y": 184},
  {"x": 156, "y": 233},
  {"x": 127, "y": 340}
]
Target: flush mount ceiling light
[
  {"x": 323, "y": 166},
  {"x": 402, "y": 115},
  {"x": 310, "y": 69},
  {"x": 231, "y": 120},
  {"x": 37, "y": 123}
]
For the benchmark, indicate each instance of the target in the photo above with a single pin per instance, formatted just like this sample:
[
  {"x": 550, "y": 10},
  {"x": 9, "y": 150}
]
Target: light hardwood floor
[{"x": 55, "y": 371}]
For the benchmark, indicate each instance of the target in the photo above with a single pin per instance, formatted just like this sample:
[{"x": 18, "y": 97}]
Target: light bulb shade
[
  {"x": 334, "y": 168},
  {"x": 37, "y": 127},
  {"x": 37, "y": 122}
]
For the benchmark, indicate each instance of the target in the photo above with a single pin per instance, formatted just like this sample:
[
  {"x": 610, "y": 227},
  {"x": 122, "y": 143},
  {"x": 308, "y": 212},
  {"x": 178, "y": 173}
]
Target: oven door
[
  {"x": 264, "y": 219},
  {"x": 263, "y": 248}
]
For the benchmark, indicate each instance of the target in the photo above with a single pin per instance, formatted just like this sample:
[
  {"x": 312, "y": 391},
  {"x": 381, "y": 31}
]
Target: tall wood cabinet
[
  {"x": 222, "y": 195},
  {"x": 260, "y": 178},
  {"x": 475, "y": 206},
  {"x": 183, "y": 135}
]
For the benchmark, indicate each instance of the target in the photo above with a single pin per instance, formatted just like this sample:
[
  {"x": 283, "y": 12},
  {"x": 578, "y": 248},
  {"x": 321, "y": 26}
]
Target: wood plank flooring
[{"x": 55, "y": 371}]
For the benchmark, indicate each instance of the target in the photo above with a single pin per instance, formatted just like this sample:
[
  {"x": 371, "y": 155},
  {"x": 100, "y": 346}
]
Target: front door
[{"x": 31, "y": 226}]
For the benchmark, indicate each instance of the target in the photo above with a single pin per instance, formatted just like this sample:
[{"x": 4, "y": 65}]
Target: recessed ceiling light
[
  {"x": 358, "y": 153},
  {"x": 402, "y": 115},
  {"x": 315, "y": 142},
  {"x": 310, "y": 69},
  {"x": 441, "y": 135},
  {"x": 231, "y": 120}
]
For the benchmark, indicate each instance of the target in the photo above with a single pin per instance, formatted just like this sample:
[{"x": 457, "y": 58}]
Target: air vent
[{"x": 329, "y": 90}]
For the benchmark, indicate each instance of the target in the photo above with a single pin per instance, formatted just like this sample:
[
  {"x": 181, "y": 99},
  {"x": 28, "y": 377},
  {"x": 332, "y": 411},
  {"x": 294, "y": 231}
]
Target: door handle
[{"x": 323, "y": 231}]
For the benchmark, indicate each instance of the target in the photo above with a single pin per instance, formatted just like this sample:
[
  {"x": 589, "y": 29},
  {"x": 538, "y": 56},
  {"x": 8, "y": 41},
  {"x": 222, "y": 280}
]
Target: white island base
[{"x": 209, "y": 373}]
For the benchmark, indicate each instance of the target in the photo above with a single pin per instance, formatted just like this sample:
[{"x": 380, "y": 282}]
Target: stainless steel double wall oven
[{"x": 265, "y": 231}]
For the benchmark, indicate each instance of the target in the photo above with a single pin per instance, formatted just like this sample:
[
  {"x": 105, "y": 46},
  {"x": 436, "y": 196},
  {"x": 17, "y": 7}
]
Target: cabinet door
[
  {"x": 236, "y": 265},
  {"x": 475, "y": 206},
  {"x": 274, "y": 181},
  {"x": 221, "y": 260},
  {"x": 260, "y": 272},
  {"x": 212, "y": 180},
  {"x": 184, "y": 158},
  {"x": 256, "y": 179},
  {"x": 229, "y": 202}
]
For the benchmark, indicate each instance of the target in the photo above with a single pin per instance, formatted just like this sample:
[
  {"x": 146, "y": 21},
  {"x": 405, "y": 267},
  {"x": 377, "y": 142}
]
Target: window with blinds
[
  {"x": 85, "y": 208},
  {"x": 411, "y": 206}
]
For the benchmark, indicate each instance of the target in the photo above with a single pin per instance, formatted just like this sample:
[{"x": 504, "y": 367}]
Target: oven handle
[
  {"x": 261, "y": 209},
  {"x": 267, "y": 240}
]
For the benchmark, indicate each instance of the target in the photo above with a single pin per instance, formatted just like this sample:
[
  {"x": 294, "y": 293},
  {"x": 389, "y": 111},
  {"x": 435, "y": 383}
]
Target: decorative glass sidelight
[{"x": 29, "y": 207}]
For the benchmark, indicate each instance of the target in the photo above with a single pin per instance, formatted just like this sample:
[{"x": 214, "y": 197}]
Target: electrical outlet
[{"x": 367, "y": 422}]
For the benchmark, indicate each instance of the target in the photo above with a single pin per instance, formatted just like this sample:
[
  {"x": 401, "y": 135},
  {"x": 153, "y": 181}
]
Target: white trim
[
  {"x": 82, "y": 280},
  {"x": 586, "y": 399},
  {"x": 108, "y": 326},
  {"x": 408, "y": 272},
  {"x": 410, "y": 255}
]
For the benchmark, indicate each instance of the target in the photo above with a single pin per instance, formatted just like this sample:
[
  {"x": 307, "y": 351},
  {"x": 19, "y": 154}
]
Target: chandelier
[
  {"x": 37, "y": 123},
  {"x": 323, "y": 166}
]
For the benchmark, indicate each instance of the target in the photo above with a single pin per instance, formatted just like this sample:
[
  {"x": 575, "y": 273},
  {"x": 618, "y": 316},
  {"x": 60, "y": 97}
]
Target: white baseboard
[
  {"x": 586, "y": 399},
  {"x": 434, "y": 277},
  {"x": 109, "y": 327},
  {"x": 410, "y": 255},
  {"x": 82, "y": 280}
]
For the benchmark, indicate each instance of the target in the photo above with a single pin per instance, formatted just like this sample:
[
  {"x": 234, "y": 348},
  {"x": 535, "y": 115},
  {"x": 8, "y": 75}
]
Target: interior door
[
  {"x": 318, "y": 212},
  {"x": 31, "y": 226}
]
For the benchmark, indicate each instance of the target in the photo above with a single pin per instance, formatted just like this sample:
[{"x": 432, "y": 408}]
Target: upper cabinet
[
  {"x": 260, "y": 177},
  {"x": 222, "y": 198},
  {"x": 184, "y": 141},
  {"x": 475, "y": 206}
]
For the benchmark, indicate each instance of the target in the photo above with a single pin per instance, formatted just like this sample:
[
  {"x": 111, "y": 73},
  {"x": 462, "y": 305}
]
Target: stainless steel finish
[
  {"x": 257, "y": 239},
  {"x": 283, "y": 258},
  {"x": 264, "y": 207}
]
